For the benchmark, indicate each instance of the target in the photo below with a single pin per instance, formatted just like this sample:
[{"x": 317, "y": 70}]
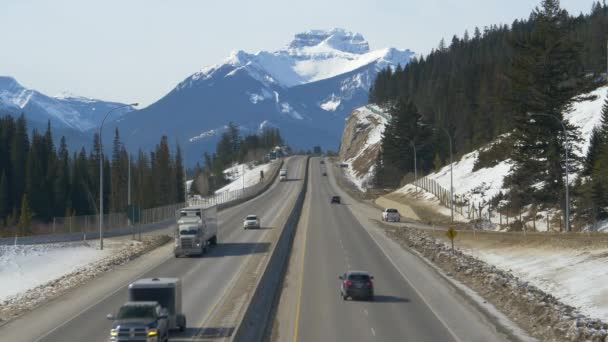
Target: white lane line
[{"x": 373, "y": 332}]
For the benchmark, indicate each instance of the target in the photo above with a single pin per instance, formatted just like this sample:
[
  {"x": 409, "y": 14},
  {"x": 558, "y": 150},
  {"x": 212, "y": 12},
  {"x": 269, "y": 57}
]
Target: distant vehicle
[
  {"x": 390, "y": 214},
  {"x": 335, "y": 199},
  {"x": 251, "y": 221},
  {"x": 322, "y": 161},
  {"x": 283, "y": 175},
  {"x": 196, "y": 229},
  {"x": 165, "y": 291},
  {"x": 324, "y": 173},
  {"x": 343, "y": 165},
  {"x": 356, "y": 284},
  {"x": 141, "y": 321}
]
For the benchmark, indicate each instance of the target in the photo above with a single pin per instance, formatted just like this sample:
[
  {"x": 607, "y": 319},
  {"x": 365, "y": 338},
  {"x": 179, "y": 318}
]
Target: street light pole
[
  {"x": 451, "y": 175},
  {"x": 566, "y": 160},
  {"x": 101, "y": 171},
  {"x": 415, "y": 168}
]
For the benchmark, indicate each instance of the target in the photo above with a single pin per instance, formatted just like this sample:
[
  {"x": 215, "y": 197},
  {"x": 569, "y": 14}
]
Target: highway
[
  {"x": 333, "y": 240},
  {"x": 336, "y": 242},
  {"x": 204, "y": 280}
]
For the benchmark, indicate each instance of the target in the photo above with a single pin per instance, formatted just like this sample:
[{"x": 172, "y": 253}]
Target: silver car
[{"x": 251, "y": 221}]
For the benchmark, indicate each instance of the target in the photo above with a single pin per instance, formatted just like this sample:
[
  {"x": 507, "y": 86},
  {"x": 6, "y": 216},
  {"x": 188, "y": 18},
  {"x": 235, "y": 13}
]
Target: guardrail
[
  {"x": 258, "y": 318},
  {"x": 231, "y": 198},
  {"x": 79, "y": 228}
]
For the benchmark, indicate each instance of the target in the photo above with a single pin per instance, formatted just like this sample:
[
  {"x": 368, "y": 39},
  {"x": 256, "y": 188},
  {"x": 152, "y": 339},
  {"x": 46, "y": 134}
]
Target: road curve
[{"x": 203, "y": 279}]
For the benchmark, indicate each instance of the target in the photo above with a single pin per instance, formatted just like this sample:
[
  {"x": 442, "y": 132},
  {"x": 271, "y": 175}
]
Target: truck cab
[
  {"x": 196, "y": 229},
  {"x": 167, "y": 292},
  {"x": 140, "y": 321}
]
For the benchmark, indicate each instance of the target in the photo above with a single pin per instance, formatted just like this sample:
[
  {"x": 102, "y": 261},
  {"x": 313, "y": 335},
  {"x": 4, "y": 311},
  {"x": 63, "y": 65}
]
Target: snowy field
[
  {"x": 577, "y": 277},
  {"x": 252, "y": 176},
  {"x": 25, "y": 267}
]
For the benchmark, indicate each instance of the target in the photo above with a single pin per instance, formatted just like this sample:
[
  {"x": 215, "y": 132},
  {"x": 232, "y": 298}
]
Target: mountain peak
[
  {"x": 337, "y": 38},
  {"x": 7, "y": 82}
]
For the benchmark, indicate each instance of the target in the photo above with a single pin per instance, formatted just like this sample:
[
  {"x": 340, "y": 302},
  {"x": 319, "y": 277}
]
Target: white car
[
  {"x": 251, "y": 221},
  {"x": 390, "y": 214}
]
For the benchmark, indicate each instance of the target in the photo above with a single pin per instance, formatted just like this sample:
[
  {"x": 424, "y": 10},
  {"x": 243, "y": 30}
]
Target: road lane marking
[
  {"x": 334, "y": 185},
  {"x": 373, "y": 332},
  {"x": 365, "y": 312},
  {"x": 303, "y": 258}
]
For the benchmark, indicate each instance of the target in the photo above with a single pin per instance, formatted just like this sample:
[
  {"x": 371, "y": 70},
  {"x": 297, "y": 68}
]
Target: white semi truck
[
  {"x": 196, "y": 230},
  {"x": 283, "y": 174}
]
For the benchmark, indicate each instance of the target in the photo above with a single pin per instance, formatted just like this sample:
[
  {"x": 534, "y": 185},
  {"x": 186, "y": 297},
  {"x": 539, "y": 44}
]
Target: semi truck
[
  {"x": 283, "y": 174},
  {"x": 196, "y": 229}
]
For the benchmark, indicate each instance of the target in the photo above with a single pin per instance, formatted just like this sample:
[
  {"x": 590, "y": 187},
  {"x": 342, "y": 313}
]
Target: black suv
[
  {"x": 335, "y": 199},
  {"x": 140, "y": 321},
  {"x": 356, "y": 284}
]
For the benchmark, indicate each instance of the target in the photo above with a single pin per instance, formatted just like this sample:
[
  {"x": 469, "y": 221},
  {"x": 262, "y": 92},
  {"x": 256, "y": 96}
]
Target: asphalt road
[
  {"x": 203, "y": 279},
  {"x": 336, "y": 242}
]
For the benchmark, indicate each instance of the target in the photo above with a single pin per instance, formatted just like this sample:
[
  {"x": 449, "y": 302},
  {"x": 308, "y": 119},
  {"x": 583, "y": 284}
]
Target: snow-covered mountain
[
  {"x": 66, "y": 112},
  {"x": 307, "y": 89}
]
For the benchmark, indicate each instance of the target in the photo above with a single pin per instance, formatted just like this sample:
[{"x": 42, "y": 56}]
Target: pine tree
[
  {"x": 4, "y": 208},
  {"x": 18, "y": 159},
  {"x": 62, "y": 180},
  {"x": 180, "y": 177},
  {"x": 25, "y": 217},
  {"x": 546, "y": 78}
]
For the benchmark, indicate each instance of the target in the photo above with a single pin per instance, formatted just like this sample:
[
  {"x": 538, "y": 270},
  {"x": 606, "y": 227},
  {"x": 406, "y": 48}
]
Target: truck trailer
[{"x": 196, "y": 230}]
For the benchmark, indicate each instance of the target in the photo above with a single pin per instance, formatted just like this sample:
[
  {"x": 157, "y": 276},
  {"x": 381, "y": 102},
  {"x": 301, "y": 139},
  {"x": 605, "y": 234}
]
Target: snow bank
[
  {"x": 575, "y": 277},
  {"x": 252, "y": 176},
  {"x": 25, "y": 267}
]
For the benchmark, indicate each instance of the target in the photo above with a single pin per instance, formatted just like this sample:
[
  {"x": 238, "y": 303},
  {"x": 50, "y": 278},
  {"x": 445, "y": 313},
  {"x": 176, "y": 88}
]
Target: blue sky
[{"x": 138, "y": 50}]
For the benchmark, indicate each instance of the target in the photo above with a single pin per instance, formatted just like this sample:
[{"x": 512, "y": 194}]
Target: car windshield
[
  {"x": 391, "y": 210},
  {"x": 358, "y": 277},
  {"x": 136, "y": 311},
  {"x": 251, "y": 217}
]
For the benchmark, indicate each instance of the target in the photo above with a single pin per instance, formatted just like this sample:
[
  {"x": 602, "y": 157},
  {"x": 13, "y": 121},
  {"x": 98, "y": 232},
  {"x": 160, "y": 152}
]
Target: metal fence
[
  {"x": 484, "y": 213},
  {"x": 75, "y": 228},
  {"x": 246, "y": 192}
]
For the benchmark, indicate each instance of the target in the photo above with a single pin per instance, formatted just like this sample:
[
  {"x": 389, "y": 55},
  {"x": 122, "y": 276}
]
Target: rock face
[{"x": 361, "y": 142}]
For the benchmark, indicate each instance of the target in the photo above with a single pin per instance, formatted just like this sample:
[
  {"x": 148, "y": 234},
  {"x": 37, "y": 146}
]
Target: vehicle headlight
[
  {"x": 113, "y": 333},
  {"x": 152, "y": 332},
  {"x": 198, "y": 245}
]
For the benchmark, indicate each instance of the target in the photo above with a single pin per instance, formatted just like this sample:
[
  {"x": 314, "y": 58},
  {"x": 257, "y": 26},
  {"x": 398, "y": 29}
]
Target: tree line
[
  {"x": 511, "y": 85},
  {"x": 39, "y": 181},
  {"x": 231, "y": 148},
  {"x": 462, "y": 86}
]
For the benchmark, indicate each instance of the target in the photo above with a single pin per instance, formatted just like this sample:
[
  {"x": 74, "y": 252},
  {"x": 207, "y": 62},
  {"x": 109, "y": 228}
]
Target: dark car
[
  {"x": 356, "y": 285},
  {"x": 322, "y": 161},
  {"x": 335, "y": 199},
  {"x": 140, "y": 321},
  {"x": 324, "y": 173}
]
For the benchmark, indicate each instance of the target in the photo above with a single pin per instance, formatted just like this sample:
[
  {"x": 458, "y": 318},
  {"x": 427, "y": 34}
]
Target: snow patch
[
  {"x": 331, "y": 104},
  {"x": 25, "y": 267},
  {"x": 252, "y": 176}
]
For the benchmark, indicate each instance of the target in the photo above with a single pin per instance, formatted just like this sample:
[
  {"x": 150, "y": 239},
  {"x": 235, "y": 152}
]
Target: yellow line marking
[{"x": 301, "y": 277}]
